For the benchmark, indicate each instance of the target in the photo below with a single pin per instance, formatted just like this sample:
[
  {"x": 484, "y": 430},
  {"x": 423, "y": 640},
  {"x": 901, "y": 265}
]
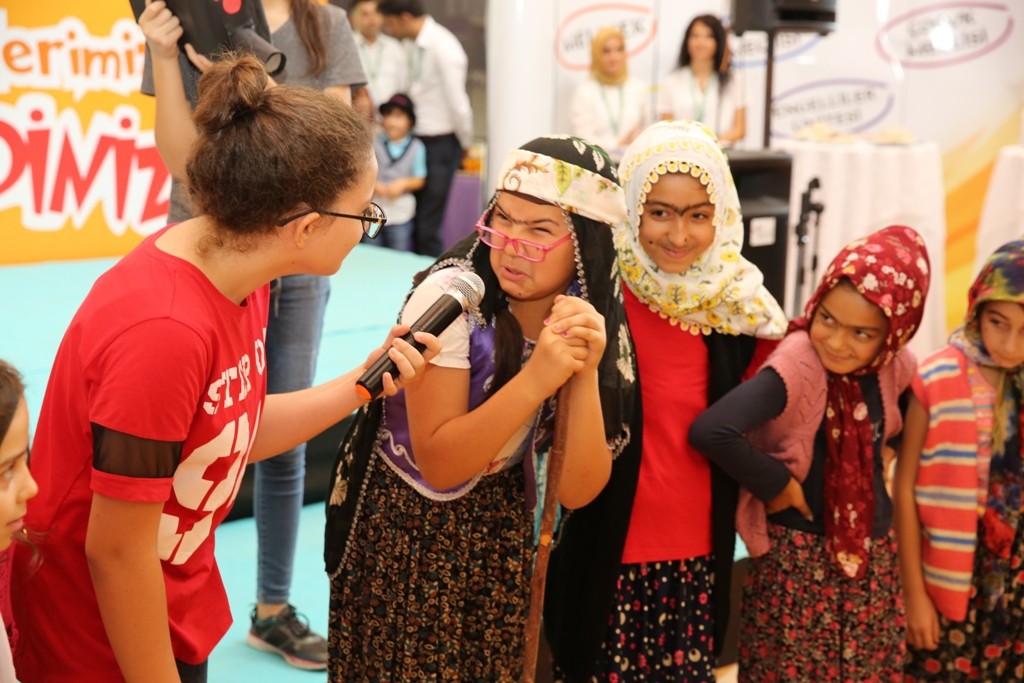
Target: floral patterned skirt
[
  {"x": 433, "y": 591},
  {"x": 986, "y": 646},
  {"x": 661, "y": 625},
  {"x": 803, "y": 620}
]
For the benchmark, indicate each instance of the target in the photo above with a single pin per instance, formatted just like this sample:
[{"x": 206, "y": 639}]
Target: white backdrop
[
  {"x": 950, "y": 72},
  {"x": 940, "y": 69}
]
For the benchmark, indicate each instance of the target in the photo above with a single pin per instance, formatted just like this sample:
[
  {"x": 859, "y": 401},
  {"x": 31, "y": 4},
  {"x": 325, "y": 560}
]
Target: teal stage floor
[{"x": 235, "y": 662}]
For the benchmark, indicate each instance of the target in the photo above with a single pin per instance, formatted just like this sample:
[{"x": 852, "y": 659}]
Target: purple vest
[{"x": 393, "y": 440}]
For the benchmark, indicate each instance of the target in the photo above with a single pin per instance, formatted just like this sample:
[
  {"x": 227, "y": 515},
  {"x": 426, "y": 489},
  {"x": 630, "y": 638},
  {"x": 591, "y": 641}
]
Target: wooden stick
[{"x": 547, "y": 526}]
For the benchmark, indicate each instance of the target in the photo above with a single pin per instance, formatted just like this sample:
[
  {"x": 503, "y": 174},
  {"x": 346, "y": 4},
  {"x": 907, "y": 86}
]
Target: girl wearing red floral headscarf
[
  {"x": 807, "y": 439},
  {"x": 958, "y": 491}
]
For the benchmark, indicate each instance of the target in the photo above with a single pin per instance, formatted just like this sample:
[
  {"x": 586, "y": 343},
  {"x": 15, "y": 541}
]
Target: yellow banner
[{"x": 80, "y": 175}]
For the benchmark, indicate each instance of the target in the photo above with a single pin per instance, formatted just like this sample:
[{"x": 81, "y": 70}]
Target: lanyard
[
  {"x": 415, "y": 54},
  {"x": 700, "y": 97},
  {"x": 615, "y": 121},
  {"x": 372, "y": 65}
]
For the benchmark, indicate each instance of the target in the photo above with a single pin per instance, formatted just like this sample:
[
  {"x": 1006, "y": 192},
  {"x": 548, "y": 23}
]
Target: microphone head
[{"x": 468, "y": 288}]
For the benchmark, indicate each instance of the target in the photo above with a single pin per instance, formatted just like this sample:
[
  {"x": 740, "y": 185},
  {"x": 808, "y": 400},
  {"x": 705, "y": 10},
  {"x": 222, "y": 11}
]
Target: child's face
[
  {"x": 847, "y": 331},
  {"x": 676, "y": 225},
  {"x": 16, "y": 482},
  {"x": 396, "y": 124},
  {"x": 543, "y": 224},
  {"x": 1002, "y": 332}
]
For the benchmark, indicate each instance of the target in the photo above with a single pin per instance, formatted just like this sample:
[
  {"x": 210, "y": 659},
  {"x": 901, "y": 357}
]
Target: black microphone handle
[{"x": 434, "y": 320}]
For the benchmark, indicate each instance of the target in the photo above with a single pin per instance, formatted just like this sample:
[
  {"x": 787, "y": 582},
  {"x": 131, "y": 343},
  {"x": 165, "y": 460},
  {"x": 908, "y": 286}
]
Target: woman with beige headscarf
[{"x": 610, "y": 108}]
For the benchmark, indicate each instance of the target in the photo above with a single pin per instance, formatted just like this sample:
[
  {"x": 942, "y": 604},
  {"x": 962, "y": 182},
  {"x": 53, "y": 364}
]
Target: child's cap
[{"x": 402, "y": 102}]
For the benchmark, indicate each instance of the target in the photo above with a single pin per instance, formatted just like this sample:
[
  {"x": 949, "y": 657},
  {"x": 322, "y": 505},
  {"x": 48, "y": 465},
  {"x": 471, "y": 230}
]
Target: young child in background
[
  {"x": 16, "y": 484},
  {"x": 401, "y": 171},
  {"x": 958, "y": 491},
  {"x": 806, "y": 439},
  {"x": 430, "y": 523},
  {"x": 638, "y": 588}
]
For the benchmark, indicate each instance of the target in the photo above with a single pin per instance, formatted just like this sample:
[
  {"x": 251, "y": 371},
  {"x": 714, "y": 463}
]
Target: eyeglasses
[
  {"x": 531, "y": 251},
  {"x": 372, "y": 218}
]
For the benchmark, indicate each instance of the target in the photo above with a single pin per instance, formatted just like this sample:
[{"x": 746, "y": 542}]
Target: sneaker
[{"x": 288, "y": 634}]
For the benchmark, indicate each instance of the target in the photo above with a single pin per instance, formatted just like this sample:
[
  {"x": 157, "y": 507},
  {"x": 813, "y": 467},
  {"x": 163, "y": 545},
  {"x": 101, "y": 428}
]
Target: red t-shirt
[
  {"x": 671, "y": 518},
  {"x": 155, "y": 351}
]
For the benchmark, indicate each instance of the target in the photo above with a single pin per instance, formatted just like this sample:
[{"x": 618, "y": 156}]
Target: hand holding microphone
[{"x": 464, "y": 293}]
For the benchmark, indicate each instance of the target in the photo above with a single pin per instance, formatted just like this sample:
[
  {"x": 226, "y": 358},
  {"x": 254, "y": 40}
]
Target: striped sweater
[{"x": 946, "y": 487}]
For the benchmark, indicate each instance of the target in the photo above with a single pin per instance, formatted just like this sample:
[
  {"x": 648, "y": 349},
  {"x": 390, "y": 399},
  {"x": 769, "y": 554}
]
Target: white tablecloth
[
  {"x": 865, "y": 187},
  {"x": 1002, "y": 215}
]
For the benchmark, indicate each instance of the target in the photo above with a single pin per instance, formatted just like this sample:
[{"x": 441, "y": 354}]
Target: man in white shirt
[
  {"x": 384, "y": 59},
  {"x": 444, "y": 120}
]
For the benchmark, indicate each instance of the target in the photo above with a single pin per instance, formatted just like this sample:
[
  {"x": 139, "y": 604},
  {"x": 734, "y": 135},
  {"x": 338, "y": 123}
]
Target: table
[
  {"x": 1002, "y": 214},
  {"x": 864, "y": 187}
]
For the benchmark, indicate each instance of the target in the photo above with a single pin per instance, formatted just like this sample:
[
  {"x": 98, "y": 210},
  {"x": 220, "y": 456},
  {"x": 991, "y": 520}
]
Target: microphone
[{"x": 465, "y": 292}]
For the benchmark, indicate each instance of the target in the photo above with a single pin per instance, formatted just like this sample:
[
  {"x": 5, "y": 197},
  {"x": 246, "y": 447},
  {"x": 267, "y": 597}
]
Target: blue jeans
[
  {"x": 397, "y": 236},
  {"x": 297, "y": 304}
]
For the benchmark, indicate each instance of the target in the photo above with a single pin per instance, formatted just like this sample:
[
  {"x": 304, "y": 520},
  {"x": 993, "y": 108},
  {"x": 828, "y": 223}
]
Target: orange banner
[{"x": 80, "y": 175}]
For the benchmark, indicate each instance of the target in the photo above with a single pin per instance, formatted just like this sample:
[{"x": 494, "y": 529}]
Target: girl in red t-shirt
[{"x": 157, "y": 398}]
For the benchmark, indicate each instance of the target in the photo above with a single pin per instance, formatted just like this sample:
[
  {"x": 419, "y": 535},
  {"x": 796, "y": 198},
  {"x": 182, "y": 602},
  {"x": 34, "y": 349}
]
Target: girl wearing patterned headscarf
[
  {"x": 639, "y": 580},
  {"x": 807, "y": 439},
  {"x": 958, "y": 491},
  {"x": 430, "y": 533}
]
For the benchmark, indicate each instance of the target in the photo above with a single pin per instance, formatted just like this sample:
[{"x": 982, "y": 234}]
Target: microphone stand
[
  {"x": 808, "y": 208},
  {"x": 547, "y": 525}
]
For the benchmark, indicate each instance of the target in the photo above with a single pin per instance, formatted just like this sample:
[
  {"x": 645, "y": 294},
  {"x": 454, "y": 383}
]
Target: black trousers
[
  {"x": 192, "y": 673},
  {"x": 444, "y": 156}
]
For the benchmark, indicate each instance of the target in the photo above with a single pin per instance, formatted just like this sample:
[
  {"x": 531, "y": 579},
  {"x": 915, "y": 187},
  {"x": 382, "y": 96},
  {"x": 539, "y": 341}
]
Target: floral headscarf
[
  {"x": 890, "y": 269},
  {"x": 721, "y": 291},
  {"x": 1000, "y": 279}
]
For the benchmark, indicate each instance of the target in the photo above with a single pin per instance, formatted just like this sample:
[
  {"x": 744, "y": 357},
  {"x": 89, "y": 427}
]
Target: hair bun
[{"x": 233, "y": 88}]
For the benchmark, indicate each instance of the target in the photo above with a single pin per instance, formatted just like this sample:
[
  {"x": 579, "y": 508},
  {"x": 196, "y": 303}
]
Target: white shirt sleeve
[
  {"x": 455, "y": 339},
  {"x": 453, "y": 69}
]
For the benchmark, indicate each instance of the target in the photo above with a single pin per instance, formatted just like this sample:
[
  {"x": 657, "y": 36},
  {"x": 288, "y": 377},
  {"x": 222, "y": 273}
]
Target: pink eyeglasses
[{"x": 531, "y": 251}]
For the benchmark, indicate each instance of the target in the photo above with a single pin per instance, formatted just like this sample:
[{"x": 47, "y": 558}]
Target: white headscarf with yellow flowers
[{"x": 721, "y": 291}]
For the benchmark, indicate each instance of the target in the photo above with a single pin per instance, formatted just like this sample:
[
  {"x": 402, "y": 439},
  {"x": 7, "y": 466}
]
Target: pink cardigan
[{"x": 790, "y": 436}]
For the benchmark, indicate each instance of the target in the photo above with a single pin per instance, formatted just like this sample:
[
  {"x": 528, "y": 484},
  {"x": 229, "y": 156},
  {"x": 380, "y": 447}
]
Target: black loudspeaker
[
  {"x": 763, "y": 180},
  {"x": 215, "y": 25},
  {"x": 782, "y": 16}
]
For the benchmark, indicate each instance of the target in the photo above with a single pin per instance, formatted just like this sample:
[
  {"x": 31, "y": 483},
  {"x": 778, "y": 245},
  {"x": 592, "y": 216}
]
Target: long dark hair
[
  {"x": 309, "y": 22},
  {"x": 718, "y": 31},
  {"x": 11, "y": 390}
]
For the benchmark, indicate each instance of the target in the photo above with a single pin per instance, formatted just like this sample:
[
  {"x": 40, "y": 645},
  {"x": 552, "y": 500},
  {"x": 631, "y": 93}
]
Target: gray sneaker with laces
[{"x": 288, "y": 634}]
